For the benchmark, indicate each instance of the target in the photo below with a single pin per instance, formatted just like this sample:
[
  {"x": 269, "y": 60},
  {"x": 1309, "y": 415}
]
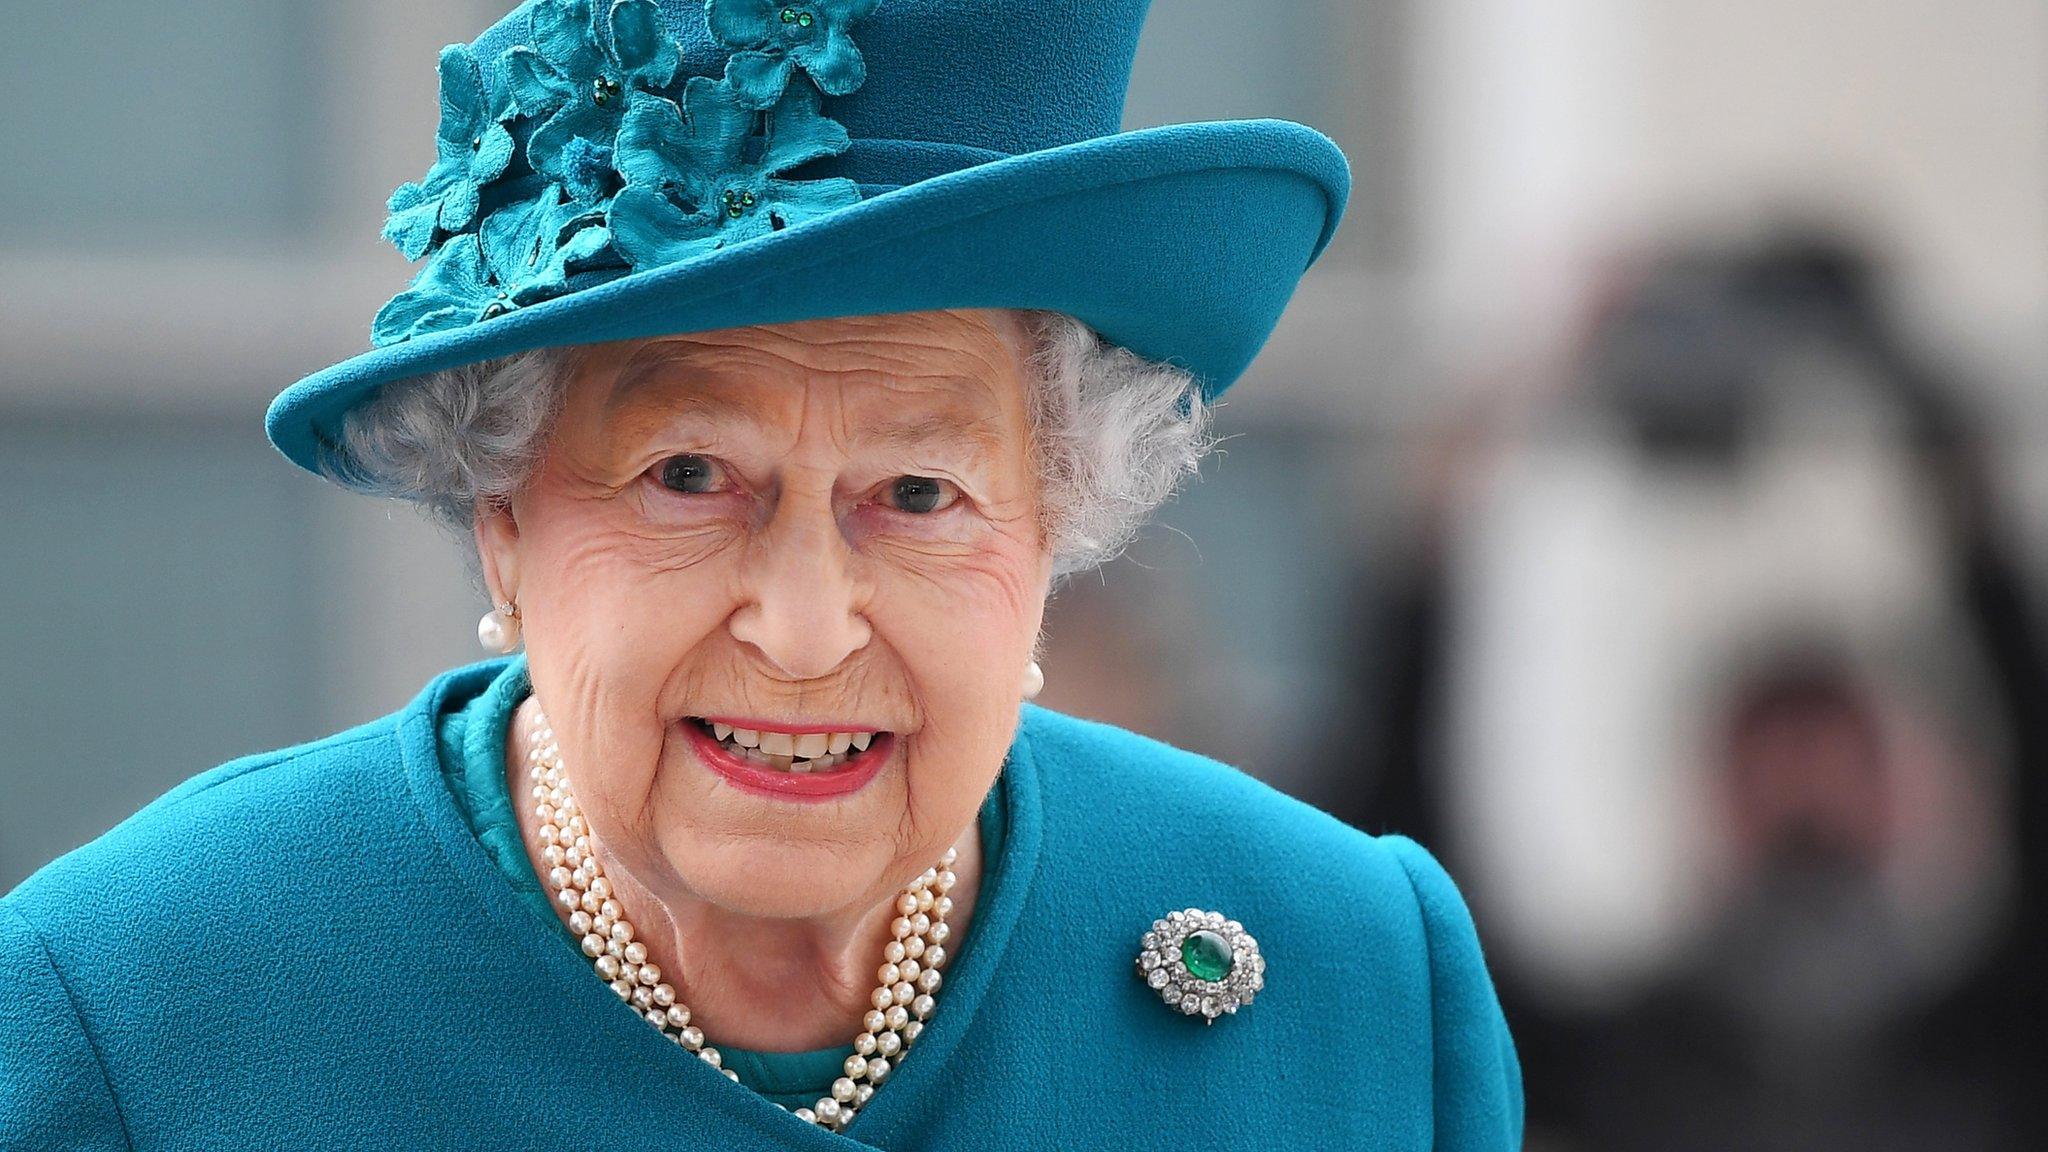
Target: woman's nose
[{"x": 803, "y": 606}]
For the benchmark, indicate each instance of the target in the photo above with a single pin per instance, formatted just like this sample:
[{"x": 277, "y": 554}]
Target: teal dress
[{"x": 329, "y": 946}]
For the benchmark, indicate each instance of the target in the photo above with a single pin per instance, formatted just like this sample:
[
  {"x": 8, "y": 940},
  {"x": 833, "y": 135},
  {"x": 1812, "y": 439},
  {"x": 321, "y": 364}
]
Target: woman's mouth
[{"x": 800, "y": 765}]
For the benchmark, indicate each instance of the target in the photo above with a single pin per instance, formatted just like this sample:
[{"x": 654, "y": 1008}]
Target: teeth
[
  {"x": 818, "y": 764},
  {"x": 791, "y": 752}
]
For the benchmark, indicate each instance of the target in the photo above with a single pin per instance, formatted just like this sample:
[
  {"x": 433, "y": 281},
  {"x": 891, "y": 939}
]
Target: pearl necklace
[{"x": 907, "y": 980}]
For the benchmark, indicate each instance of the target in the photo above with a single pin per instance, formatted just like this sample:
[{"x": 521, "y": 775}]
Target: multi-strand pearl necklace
[{"x": 906, "y": 982}]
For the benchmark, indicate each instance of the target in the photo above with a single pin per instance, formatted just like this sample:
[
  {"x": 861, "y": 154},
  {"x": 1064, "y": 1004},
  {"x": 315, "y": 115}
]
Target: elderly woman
[{"x": 775, "y": 422}]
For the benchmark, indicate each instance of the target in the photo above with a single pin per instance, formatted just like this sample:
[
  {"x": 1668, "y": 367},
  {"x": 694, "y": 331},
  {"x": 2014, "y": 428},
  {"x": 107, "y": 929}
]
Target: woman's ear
[{"x": 497, "y": 549}]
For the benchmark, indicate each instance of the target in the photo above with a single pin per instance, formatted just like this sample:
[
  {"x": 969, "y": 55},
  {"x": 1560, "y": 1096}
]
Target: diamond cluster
[{"x": 1177, "y": 937}]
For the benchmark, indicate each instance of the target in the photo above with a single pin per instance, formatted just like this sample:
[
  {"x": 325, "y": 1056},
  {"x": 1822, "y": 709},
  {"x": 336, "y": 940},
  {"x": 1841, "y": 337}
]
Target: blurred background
[{"x": 1648, "y": 490}]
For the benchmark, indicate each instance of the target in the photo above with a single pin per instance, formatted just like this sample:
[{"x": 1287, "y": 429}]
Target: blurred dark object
[{"x": 1797, "y": 1018}]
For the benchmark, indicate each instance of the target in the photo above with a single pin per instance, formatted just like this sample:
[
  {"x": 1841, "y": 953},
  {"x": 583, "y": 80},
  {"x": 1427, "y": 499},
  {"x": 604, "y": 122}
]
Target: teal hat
[{"x": 640, "y": 168}]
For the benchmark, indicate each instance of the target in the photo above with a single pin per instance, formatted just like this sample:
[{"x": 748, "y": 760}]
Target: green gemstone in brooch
[{"x": 1200, "y": 963}]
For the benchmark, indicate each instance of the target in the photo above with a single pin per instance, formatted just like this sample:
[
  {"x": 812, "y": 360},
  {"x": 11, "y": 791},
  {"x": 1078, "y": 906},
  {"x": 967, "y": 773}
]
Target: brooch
[{"x": 1200, "y": 963}]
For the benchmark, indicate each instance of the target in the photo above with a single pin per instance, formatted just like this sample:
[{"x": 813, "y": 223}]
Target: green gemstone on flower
[
  {"x": 789, "y": 15},
  {"x": 803, "y": 19},
  {"x": 1207, "y": 955}
]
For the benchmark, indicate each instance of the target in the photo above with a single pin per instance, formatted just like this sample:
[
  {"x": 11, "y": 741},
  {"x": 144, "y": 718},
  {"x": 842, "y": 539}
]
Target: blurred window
[
  {"x": 158, "y": 577},
  {"x": 140, "y": 123}
]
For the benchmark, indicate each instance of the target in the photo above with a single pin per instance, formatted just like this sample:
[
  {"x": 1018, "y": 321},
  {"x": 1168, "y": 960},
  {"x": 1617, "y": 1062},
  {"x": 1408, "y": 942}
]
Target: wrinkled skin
[{"x": 794, "y": 582}]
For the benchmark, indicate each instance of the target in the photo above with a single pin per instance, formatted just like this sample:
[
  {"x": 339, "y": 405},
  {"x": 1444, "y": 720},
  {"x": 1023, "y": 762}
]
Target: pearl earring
[
  {"x": 1034, "y": 679},
  {"x": 498, "y": 631}
]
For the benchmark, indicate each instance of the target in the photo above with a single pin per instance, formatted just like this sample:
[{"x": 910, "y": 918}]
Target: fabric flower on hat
[
  {"x": 522, "y": 253},
  {"x": 582, "y": 74},
  {"x": 695, "y": 181},
  {"x": 769, "y": 37},
  {"x": 474, "y": 150}
]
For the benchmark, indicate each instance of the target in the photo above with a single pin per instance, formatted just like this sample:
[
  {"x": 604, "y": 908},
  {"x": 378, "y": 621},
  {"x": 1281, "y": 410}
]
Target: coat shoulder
[
  {"x": 1180, "y": 829},
  {"x": 1139, "y": 793},
  {"x": 262, "y": 829},
  {"x": 220, "y": 835}
]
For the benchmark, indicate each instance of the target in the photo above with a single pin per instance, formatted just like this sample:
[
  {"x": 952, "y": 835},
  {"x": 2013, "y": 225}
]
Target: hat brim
[{"x": 1182, "y": 243}]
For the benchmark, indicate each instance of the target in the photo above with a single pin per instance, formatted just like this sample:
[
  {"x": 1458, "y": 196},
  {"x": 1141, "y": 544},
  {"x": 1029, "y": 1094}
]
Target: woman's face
[{"x": 821, "y": 527}]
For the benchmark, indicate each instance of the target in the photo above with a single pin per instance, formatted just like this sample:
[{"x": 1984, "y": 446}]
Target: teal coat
[{"x": 309, "y": 948}]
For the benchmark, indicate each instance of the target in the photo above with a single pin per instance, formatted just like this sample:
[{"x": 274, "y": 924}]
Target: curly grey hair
[{"x": 1113, "y": 435}]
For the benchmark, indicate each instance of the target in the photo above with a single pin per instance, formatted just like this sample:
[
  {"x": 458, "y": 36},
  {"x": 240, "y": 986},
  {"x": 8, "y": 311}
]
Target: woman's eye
[
  {"x": 689, "y": 473},
  {"x": 921, "y": 494}
]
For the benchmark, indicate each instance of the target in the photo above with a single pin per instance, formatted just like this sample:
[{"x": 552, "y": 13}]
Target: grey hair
[{"x": 1112, "y": 436}]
